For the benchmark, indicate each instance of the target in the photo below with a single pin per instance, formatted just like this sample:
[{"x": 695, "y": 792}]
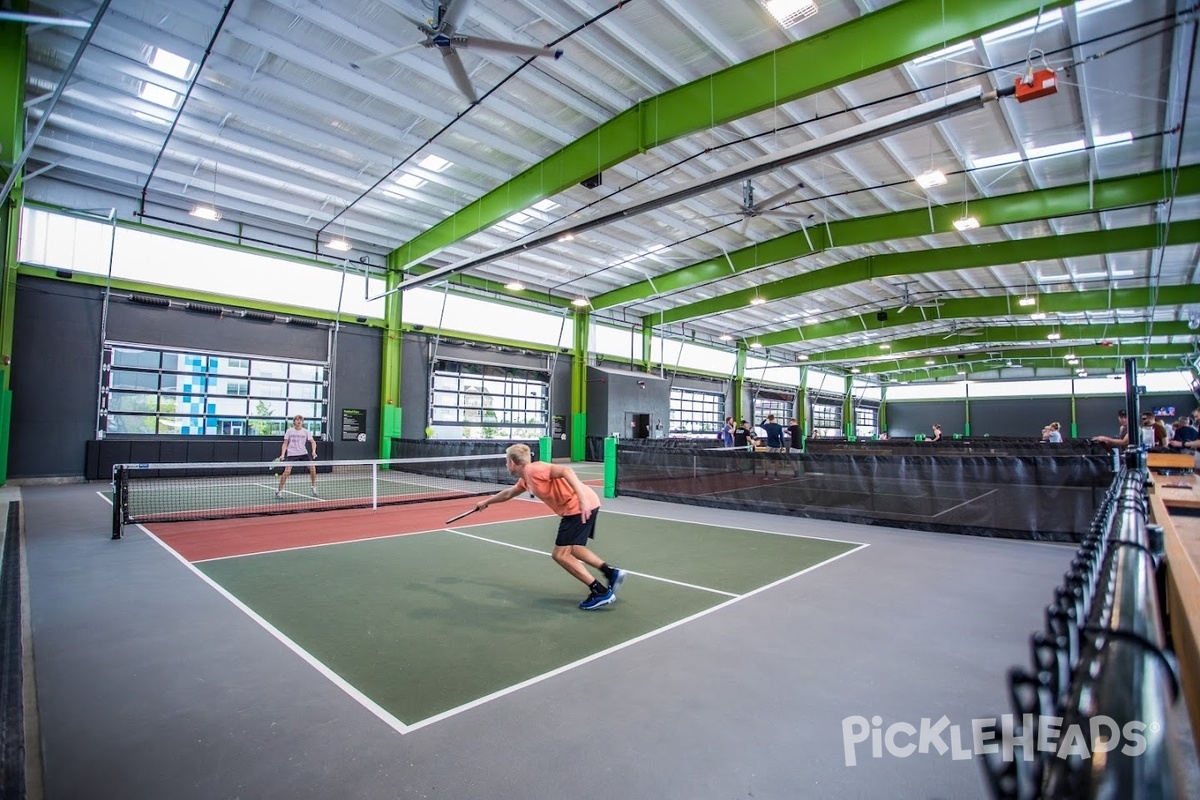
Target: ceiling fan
[
  {"x": 441, "y": 33},
  {"x": 957, "y": 331},
  {"x": 909, "y": 299},
  {"x": 749, "y": 209}
]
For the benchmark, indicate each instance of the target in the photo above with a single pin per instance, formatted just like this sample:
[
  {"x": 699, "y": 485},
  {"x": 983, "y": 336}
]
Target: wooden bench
[{"x": 1171, "y": 461}]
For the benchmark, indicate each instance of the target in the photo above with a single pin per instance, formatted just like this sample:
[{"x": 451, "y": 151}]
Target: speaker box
[{"x": 881, "y": 316}]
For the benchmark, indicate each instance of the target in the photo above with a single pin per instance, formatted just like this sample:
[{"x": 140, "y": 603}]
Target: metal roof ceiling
[{"x": 268, "y": 120}]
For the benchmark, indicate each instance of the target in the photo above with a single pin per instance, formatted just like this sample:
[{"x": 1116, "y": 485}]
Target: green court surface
[{"x": 425, "y": 623}]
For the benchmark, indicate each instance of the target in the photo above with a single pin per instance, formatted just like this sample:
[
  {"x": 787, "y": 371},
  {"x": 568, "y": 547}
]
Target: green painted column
[
  {"x": 967, "y": 412},
  {"x": 1074, "y": 425},
  {"x": 579, "y": 387},
  {"x": 802, "y": 409},
  {"x": 739, "y": 383},
  {"x": 389, "y": 373},
  {"x": 883, "y": 409},
  {"x": 848, "y": 409},
  {"x": 610, "y": 466},
  {"x": 12, "y": 142},
  {"x": 546, "y": 449},
  {"x": 647, "y": 346}
]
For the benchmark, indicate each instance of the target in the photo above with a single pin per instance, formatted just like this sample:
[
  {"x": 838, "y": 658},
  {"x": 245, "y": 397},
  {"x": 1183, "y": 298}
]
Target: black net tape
[{"x": 1044, "y": 497}]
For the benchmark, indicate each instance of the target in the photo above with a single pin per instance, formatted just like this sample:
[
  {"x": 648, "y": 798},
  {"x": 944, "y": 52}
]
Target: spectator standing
[{"x": 1122, "y": 437}]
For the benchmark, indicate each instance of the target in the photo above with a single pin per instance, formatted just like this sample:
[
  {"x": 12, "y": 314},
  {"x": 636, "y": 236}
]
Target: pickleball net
[{"x": 183, "y": 492}]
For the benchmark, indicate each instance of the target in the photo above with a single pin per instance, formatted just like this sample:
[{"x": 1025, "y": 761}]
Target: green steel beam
[
  {"x": 1090, "y": 356},
  {"x": 996, "y": 337},
  {"x": 872, "y": 43},
  {"x": 12, "y": 142},
  {"x": 996, "y": 307},
  {"x": 579, "y": 386},
  {"x": 1023, "y": 207}
]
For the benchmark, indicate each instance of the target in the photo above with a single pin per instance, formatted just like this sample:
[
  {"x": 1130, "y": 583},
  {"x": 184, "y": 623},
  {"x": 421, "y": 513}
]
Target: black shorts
[
  {"x": 305, "y": 457},
  {"x": 573, "y": 530}
]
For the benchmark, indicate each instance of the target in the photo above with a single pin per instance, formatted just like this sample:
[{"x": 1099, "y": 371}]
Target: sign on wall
[{"x": 354, "y": 425}]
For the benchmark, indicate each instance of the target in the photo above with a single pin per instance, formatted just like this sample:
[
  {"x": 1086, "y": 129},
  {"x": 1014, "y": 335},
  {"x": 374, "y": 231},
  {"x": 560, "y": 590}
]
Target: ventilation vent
[
  {"x": 205, "y": 308},
  {"x": 149, "y": 300}
]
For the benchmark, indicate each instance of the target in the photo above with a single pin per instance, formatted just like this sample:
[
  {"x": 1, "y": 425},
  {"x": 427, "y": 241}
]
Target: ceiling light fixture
[
  {"x": 929, "y": 362},
  {"x": 515, "y": 286},
  {"x": 931, "y": 178},
  {"x": 802, "y": 357},
  {"x": 210, "y": 212},
  {"x": 1054, "y": 337},
  {"x": 1027, "y": 301},
  {"x": 433, "y": 163},
  {"x": 885, "y": 346},
  {"x": 1038, "y": 315},
  {"x": 580, "y": 302},
  {"x": 757, "y": 301},
  {"x": 966, "y": 224},
  {"x": 725, "y": 337},
  {"x": 339, "y": 244},
  {"x": 790, "y": 12},
  {"x": 755, "y": 345}
]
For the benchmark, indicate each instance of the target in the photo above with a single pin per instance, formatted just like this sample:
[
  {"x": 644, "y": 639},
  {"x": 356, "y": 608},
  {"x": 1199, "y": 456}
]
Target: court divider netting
[{"x": 223, "y": 490}]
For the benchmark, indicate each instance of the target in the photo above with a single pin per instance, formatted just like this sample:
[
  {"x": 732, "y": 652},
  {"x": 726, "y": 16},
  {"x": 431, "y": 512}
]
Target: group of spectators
[
  {"x": 1183, "y": 436},
  {"x": 775, "y": 437}
]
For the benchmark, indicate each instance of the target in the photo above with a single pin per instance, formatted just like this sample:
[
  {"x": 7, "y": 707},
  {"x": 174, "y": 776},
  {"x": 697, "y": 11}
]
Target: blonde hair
[
  {"x": 1054, "y": 426},
  {"x": 518, "y": 453}
]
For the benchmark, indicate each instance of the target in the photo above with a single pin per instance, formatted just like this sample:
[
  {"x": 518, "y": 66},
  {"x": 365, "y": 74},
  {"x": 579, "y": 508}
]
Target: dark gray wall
[
  {"x": 358, "y": 358},
  {"x": 1010, "y": 416},
  {"x": 907, "y": 419},
  {"x": 1023, "y": 416},
  {"x": 56, "y": 356},
  {"x": 614, "y": 393},
  {"x": 55, "y": 375}
]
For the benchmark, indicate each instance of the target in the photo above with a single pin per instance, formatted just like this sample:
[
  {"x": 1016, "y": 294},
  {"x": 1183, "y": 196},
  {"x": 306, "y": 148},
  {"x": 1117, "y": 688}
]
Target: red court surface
[{"x": 203, "y": 540}]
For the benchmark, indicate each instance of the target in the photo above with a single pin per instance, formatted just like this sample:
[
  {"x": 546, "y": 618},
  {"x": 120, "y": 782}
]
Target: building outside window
[
  {"x": 696, "y": 414},
  {"x": 154, "y": 391},
  {"x": 866, "y": 421},
  {"x": 479, "y": 401},
  {"x": 826, "y": 420}
]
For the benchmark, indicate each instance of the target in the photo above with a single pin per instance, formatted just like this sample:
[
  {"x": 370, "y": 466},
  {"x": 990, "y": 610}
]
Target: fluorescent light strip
[
  {"x": 995, "y": 161},
  {"x": 1041, "y": 23},
  {"x": 433, "y": 163},
  {"x": 1056, "y": 149},
  {"x": 945, "y": 53}
]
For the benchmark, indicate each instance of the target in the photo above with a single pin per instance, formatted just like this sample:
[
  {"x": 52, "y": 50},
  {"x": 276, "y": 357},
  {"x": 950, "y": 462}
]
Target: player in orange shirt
[{"x": 577, "y": 505}]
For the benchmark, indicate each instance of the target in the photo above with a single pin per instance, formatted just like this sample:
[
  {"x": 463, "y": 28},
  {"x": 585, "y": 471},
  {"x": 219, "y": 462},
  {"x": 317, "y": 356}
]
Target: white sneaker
[
  {"x": 313, "y": 491},
  {"x": 279, "y": 493}
]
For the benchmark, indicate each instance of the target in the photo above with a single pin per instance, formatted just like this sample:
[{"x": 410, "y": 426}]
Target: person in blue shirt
[
  {"x": 727, "y": 432},
  {"x": 1184, "y": 433}
]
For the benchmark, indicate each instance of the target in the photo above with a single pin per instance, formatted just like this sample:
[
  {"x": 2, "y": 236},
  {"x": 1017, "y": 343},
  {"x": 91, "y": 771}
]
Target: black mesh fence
[
  {"x": 984, "y": 445},
  {"x": 1029, "y": 495},
  {"x": 432, "y": 448}
]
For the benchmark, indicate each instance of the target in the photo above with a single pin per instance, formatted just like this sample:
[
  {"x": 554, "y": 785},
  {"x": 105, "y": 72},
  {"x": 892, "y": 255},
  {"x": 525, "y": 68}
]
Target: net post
[
  {"x": 375, "y": 488},
  {"x": 610, "y": 466},
  {"x": 546, "y": 449},
  {"x": 118, "y": 504}
]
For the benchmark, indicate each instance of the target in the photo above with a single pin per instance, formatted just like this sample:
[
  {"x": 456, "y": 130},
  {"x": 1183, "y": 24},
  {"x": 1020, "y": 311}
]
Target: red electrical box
[{"x": 1035, "y": 84}]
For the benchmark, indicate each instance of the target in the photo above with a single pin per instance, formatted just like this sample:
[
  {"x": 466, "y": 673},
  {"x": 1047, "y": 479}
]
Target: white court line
[
  {"x": 615, "y": 648},
  {"x": 337, "y": 680},
  {"x": 630, "y": 572},
  {"x": 400, "y": 727},
  {"x": 728, "y": 527},
  {"x": 963, "y": 503}
]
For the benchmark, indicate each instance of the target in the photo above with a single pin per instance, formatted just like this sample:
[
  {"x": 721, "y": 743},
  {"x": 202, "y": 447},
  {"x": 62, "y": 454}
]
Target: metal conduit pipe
[
  {"x": 1091, "y": 719},
  {"x": 1125, "y": 683}
]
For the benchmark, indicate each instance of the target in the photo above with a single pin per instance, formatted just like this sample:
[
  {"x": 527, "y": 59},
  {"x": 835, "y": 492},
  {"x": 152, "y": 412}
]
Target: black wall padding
[
  {"x": 205, "y": 308},
  {"x": 150, "y": 300},
  {"x": 12, "y": 720},
  {"x": 308, "y": 323},
  {"x": 260, "y": 316}
]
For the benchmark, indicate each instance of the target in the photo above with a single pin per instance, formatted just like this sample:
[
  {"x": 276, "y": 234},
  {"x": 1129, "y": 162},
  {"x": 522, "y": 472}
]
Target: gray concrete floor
[{"x": 153, "y": 685}]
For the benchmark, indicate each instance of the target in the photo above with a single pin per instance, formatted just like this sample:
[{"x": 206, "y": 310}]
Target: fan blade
[
  {"x": 775, "y": 198},
  {"x": 498, "y": 46},
  {"x": 453, "y": 14},
  {"x": 459, "y": 73},
  {"x": 807, "y": 238},
  {"x": 745, "y": 224},
  {"x": 902, "y": 309},
  {"x": 384, "y": 56}
]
